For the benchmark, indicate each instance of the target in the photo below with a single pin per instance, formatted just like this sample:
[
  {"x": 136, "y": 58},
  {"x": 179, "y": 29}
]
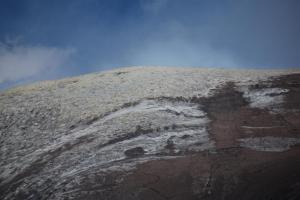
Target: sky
[{"x": 51, "y": 39}]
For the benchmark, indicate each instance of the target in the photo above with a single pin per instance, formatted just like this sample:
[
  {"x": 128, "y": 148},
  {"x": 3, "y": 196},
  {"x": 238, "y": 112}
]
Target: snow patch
[
  {"x": 266, "y": 97},
  {"x": 154, "y": 105},
  {"x": 261, "y": 127},
  {"x": 269, "y": 143},
  {"x": 103, "y": 143}
]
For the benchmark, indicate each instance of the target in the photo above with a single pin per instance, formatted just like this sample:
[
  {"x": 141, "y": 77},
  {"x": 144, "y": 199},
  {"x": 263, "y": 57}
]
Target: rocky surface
[{"x": 153, "y": 133}]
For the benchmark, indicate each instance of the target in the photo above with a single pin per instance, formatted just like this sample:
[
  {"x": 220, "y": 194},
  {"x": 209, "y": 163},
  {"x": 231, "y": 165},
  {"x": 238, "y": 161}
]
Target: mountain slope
[{"x": 153, "y": 133}]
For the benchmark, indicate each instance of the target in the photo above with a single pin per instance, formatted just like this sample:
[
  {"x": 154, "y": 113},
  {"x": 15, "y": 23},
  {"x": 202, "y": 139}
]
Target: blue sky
[{"x": 42, "y": 39}]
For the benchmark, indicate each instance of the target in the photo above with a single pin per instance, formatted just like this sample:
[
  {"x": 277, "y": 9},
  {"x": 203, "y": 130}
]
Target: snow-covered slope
[{"x": 53, "y": 134}]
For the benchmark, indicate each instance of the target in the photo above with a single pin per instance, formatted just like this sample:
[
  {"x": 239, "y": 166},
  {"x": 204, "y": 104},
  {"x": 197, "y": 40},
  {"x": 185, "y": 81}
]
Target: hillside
[{"x": 153, "y": 133}]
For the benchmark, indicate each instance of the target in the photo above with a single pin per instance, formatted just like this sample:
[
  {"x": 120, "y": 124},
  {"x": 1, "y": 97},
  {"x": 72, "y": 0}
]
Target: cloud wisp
[{"x": 20, "y": 62}]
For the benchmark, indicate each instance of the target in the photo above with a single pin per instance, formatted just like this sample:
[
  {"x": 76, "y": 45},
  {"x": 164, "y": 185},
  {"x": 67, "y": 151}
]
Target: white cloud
[
  {"x": 19, "y": 62},
  {"x": 180, "y": 52}
]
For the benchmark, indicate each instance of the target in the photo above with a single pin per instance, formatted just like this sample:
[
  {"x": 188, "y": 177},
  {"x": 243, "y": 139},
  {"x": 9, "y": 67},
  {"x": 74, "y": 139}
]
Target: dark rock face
[
  {"x": 231, "y": 172},
  {"x": 137, "y": 151},
  {"x": 241, "y": 142}
]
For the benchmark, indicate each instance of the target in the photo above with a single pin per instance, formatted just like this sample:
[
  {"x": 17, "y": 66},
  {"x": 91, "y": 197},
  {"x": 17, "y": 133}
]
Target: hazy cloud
[
  {"x": 20, "y": 62},
  {"x": 181, "y": 52}
]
